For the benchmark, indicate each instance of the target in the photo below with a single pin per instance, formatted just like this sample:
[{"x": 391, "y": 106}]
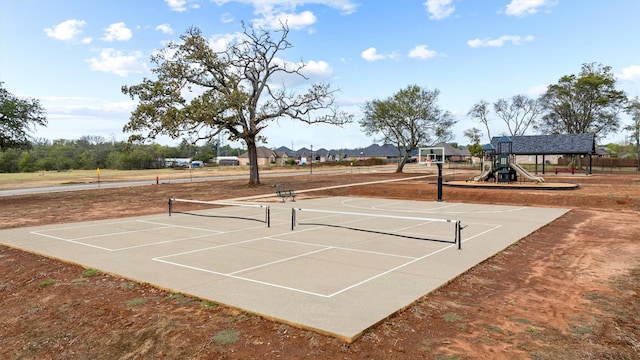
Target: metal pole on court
[
  {"x": 268, "y": 216},
  {"x": 439, "y": 181}
]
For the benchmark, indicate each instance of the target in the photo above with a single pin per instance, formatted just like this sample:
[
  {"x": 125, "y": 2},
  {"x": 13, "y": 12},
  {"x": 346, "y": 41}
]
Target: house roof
[
  {"x": 453, "y": 151},
  {"x": 263, "y": 152},
  {"x": 549, "y": 144}
]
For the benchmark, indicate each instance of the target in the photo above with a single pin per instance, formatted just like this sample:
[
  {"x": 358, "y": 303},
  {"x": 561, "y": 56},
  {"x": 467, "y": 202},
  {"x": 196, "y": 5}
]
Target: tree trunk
[
  {"x": 252, "y": 151},
  {"x": 402, "y": 162}
]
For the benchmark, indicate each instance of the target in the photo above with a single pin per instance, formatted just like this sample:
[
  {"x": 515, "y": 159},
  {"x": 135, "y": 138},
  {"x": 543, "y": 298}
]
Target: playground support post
[{"x": 439, "y": 182}]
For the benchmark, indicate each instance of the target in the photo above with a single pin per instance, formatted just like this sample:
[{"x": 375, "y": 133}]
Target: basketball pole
[{"x": 439, "y": 181}]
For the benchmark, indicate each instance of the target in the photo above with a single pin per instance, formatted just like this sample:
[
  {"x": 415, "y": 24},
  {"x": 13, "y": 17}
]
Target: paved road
[{"x": 76, "y": 187}]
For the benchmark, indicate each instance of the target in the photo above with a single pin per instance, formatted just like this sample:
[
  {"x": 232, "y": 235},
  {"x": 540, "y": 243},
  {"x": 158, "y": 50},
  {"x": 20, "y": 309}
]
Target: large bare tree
[
  {"x": 201, "y": 92},
  {"x": 519, "y": 113},
  {"x": 480, "y": 112}
]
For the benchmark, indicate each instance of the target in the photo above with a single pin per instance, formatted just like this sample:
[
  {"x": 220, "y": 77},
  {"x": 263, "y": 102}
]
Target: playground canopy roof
[{"x": 579, "y": 144}]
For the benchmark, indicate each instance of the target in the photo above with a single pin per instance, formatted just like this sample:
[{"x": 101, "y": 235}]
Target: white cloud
[
  {"x": 439, "y": 9},
  {"x": 293, "y": 21},
  {"x": 317, "y": 69},
  {"x": 221, "y": 42},
  {"x": 117, "y": 32},
  {"x": 499, "y": 42},
  {"x": 271, "y": 13},
  {"x": 181, "y": 5},
  {"x": 226, "y": 18},
  {"x": 630, "y": 73},
  {"x": 116, "y": 62},
  {"x": 314, "y": 71},
  {"x": 66, "y": 30},
  {"x": 422, "y": 52},
  {"x": 537, "y": 90},
  {"x": 274, "y": 6},
  {"x": 165, "y": 29},
  {"x": 371, "y": 54},
  {"x": 521, "y": 8},
  {"x": 69, "y": 104}
]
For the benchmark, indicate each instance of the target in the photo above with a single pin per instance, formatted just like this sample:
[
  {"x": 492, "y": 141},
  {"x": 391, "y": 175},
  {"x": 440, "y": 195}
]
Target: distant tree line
[{"x": 91, "y": 152}]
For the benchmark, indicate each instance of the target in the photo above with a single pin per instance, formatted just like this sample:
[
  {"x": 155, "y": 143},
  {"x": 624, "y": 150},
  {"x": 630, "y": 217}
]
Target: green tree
[
  {"x": 27, "y": 162},
  {"x": 9, "y": 161},
  {"x": 583, "y": 103},
  {"x": 234, "y": 91},
  {"x": 633, "y": 109},
  {"x": 18, "y": 117},
  {"x": 475, "y": 149},
  {"x": 409, "y": 118},
  {"x": 60, "y": 155}
]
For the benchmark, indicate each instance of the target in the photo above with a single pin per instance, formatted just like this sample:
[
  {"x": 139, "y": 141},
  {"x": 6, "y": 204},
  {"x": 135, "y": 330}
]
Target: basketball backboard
[{"x": 431, "y": 155}]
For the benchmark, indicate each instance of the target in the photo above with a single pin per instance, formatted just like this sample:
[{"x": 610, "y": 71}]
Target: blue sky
[{"x": 75, "y": 55}]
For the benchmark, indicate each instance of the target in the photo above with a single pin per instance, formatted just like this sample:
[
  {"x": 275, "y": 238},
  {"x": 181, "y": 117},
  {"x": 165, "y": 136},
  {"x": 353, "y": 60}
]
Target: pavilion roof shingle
[{"x": 550, "y": 144}]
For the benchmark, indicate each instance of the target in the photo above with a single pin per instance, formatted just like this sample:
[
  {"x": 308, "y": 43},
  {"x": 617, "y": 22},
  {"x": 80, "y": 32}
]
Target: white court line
[
  {"x": 92, "y": 225},
  {"x": 116, "y": 233},
  {"x": 71, "y": 241},
  {"x": 165, "y": 242},
  {"x": 324, "y": 248},
  {"x": 241, "y": 278},
  {"x": 390, "y": 270},
  {"x": 383, "y": 207},
  {"x": 341, "y": 248},
  {"x": 495, "y": 227},
  {"x": 280, "y": 261},
  {"x": 437, "y": 210},
  {"x": 207, "y": 248}
]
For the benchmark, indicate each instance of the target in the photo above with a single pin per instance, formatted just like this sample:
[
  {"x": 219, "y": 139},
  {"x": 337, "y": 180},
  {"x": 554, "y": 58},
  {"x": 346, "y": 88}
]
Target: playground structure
[{"x": 499, "y": 164}]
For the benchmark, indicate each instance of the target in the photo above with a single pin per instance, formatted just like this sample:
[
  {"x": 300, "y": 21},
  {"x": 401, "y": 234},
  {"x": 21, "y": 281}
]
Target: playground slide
[
  {"x": 522, "y": 172},
  {"x": 486, "y": 170}
]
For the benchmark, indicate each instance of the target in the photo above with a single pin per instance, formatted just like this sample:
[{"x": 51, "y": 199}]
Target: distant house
[
  {"x": 454, "y": 154},
  {"x": 386, "y": 152},
  {"x": 266, "y": 156},
  {"x": 451, "y": 153}
]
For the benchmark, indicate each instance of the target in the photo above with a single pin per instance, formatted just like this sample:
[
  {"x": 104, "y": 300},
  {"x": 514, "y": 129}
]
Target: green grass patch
[
  {"x": 209, "y": 304},
  {"x": 136, "y": 301},
  {"x": 523, "y": 321},
  {"x": 451, "y": 317},
  {"x": 129, "y": 285},
  {"x": 181, "y": 298},
  {"x": 226, "y": 337},
  {"x": 242, "y": 317},
  {"x": 48, "y": 282},
  {"x": 493, "y": 328},
  {"x": 446, "y": 357},
  {"x": 90, "y": 272}
]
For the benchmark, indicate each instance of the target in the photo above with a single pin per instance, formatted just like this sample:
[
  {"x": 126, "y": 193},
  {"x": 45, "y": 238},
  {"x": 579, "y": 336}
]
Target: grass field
[{"x": 54, "y": 178}]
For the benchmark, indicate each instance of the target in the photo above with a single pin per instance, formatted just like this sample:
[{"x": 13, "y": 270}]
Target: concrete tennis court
[{"x": 328, "y": 279}]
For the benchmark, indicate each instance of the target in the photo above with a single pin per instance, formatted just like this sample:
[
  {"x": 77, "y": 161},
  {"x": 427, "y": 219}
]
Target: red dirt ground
[{"x": 570, "y": 290}]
